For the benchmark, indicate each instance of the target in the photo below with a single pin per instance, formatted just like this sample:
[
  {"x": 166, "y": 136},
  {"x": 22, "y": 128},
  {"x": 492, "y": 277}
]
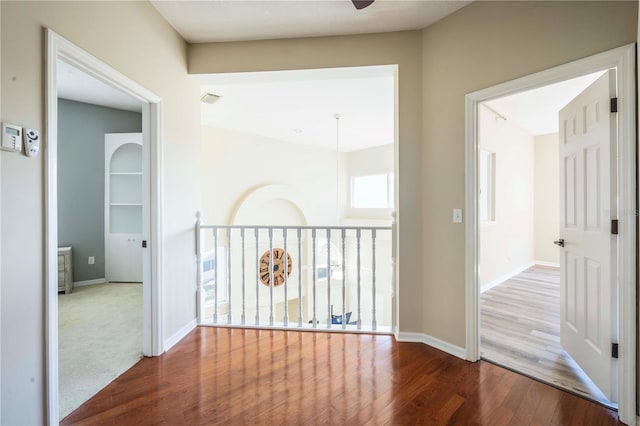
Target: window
[
  {"x": 487, "y": 185},
  {"x": 372, "y": 192}
]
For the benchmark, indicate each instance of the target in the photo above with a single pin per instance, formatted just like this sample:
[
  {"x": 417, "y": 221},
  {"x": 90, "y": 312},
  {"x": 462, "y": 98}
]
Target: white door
[
  {"x": 123, "y": 207},
  {"x": 588, "y": 191}
]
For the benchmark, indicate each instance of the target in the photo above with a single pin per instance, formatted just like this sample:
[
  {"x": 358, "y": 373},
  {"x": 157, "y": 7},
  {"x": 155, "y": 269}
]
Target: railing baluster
[
  {"x": 373, "y": 276},
  {"x": 229, "y": 316},
  {"x": 358, "y": 278},
  {"x": 344, "y": 282},
  {"x": 299, "y": 234},
  {"x": 394, "y": 252},
  {"x": 257, "y": 232},
  {"x": 200, "y": 291},
  {"x": 216, "y": 282},
  {"x": 224, "y": 285},
  {"x": 286, "y": 273},
  {"x": 244, "y": 293},
  {"x": 315, "y": 275},
  {"x": 270, "y": 276},
  {"x": 328, "y": 277}
]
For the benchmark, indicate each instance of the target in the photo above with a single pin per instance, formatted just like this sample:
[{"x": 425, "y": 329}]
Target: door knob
[{"x": 559, "y": 242}]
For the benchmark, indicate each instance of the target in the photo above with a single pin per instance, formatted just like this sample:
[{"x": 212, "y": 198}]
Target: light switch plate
[{"x": 457, "y": 215}]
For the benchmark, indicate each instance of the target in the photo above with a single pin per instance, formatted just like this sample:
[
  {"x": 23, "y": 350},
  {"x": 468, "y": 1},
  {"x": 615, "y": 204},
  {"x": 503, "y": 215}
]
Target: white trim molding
[
  {"x": 434, "y": 342},
  {"x": 180, "y": 334},
  {"x": 59, "y": 48},
  {"x": 623, "y": 59},
  {"x": 85, "y": 283},
  {"x": 545, "y": 263},
  {"x": 505, "y": 277}
]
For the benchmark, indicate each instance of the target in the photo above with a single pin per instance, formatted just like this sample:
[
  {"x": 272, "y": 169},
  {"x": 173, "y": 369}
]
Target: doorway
[
  {"x": 520, "y": 208},
  {"x": 623, "y": 61},
  {"x": 99, "y": 234},
  {"x": 60, "y": 49}
]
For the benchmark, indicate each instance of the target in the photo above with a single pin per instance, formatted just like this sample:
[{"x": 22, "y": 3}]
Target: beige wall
[
  {"x": 547, "y": 198},
  {"x": 133, "y": 38},
  {"x": 506, "y": 244},
  {"x": 402, "y": 48},
  {"x": 481, "y": 45}
]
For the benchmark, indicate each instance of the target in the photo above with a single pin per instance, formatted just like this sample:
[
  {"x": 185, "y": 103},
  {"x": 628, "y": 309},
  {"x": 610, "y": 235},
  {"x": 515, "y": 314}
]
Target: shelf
[
  {"x": 125, "y": 204},
  {"x": 126, "y": 173}
]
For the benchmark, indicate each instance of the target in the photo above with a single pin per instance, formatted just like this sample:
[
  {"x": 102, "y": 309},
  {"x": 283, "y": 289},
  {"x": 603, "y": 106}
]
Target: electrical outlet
[{"x": 92, "y": 260}]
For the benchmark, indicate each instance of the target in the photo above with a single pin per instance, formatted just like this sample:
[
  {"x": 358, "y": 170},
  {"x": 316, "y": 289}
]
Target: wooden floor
[
  {"x": 238, "y": 377},
  {"x": 520, "y": 329}
]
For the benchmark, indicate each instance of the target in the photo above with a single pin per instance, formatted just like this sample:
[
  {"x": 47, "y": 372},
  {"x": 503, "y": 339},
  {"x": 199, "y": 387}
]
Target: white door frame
[
  {"x": 61, "y": 48},
  {"x": 624, "y": 60}
]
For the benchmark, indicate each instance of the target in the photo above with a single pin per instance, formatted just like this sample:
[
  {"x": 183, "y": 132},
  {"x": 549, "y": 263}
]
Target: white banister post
[
  {"x": 374, "y": 322},
  {"x": 270, "y": 276},
  {"x": 329, "y": 278},
  {"x": 394, "y": 297},
  {"x": 315, "y": 274},
  {"x": 299, "y": 233},
  {"x": 358, "y": 233},
  {"x": 200, "y": 284},
  {"x": 344, "y": 281},
  {"x": 257, "y": 234},
  {"x": 216, "y": 275},
  {"x": 285, "y": 320},
  {"x": 230, "y": 306},
  {"x": 244, "y": 292}
]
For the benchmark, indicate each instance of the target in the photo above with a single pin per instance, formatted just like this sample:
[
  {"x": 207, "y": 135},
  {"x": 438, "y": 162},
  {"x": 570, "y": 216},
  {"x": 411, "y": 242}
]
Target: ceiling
[
  {"x": 233, "y": 20},
  {"x": 76, "y": 85},
  {"x": 536, "y": 111},
  {"x": 300, "y": 106}
]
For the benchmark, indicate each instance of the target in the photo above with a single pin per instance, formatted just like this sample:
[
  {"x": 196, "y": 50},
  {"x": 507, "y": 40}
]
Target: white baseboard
[
  {"x": 505, "y": 277},
  {"x": 545, "y": 263},
  {"x": 89, "y": 282},
  {"x": 171, "y": 341},
  {"x": 454, "y": 350}
]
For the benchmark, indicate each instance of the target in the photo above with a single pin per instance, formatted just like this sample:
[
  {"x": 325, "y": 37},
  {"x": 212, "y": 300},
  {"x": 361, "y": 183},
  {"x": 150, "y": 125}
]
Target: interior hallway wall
[
  {"x": 146, "y": 49},
  {"x": 506, "y": 244},
  {"x": 547, "y": 198},
  {"x": 481, "y": 45},
  {"x": 81, "y": 130}
]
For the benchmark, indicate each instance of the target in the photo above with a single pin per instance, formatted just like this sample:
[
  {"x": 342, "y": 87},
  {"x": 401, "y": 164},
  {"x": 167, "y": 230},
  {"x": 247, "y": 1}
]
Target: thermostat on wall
[{"x": 11, "y": 137}]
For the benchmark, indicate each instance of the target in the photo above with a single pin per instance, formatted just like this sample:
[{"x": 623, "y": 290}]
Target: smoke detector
[{"x": 209, "y": 98}]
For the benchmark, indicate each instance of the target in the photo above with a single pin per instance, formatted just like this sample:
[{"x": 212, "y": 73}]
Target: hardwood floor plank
[{"x": 237, "y": 377}]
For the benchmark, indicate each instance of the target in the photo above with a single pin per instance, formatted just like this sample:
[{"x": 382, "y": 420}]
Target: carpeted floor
[{"x": 100, "y": 337}]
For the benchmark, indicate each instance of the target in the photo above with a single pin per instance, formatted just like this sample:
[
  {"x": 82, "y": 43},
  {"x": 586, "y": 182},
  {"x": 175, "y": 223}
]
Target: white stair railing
[{"x": 306, "y": 272}]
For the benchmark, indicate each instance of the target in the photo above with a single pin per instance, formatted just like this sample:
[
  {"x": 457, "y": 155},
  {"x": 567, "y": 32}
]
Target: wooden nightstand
[{"x": 65, "y": 274}]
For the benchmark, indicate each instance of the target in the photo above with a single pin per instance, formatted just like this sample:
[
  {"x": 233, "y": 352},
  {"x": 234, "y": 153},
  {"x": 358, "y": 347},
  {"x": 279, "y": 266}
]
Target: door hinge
[
  {"x": 614, "y": 350},
  {"x": 614, "y": 104},
  {"x": 614, "y": 226},
  {"x": 144, "y": 243}
]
